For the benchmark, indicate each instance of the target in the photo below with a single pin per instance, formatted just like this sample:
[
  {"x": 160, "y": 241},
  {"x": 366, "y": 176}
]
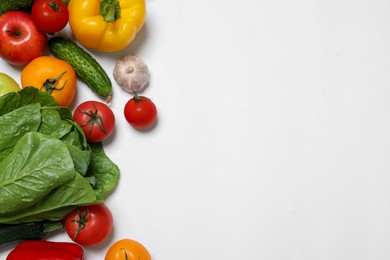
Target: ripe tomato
[
  {"x": 127, "y": 249},
  {"x": 89, "y": 225},
  {"x": 140, "y": 112},
  {"x": 96, "y": 119},
  {"x": 50, "y": 15},
  {"x": 51, "y": 75}
]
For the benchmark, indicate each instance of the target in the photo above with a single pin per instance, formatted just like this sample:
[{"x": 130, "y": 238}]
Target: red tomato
[
  {"x": 89, "y": 225},
  {"x": 96, "y": 119},
  {"x": 50, "y": 15},
  {"x": 140, "y": 112}
]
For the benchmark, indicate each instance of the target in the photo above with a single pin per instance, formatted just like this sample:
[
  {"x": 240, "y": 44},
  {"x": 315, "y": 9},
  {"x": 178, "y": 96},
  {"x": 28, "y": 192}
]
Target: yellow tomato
[
  {"x": 52, "y": 75},
  {"x": 127, "y": 249}
]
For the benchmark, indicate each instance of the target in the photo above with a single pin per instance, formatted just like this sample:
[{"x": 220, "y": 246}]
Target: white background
[{"x": 273, "y": 136}]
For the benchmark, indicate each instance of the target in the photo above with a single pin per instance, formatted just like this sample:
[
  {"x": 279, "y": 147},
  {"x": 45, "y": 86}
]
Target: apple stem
[{"x": 16, "y": 33}]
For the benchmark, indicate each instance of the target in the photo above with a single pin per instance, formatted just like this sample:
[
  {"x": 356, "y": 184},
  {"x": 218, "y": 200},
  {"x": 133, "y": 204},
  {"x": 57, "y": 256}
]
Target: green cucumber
[
  {"x": 9, "y": 5},
  {"x": 12, "y": 233},
  {"x": 85, "y": 66}
]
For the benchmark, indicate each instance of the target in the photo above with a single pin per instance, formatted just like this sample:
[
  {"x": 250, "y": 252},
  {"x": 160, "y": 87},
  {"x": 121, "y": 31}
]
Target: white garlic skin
[{"x": 131, "y": 73}]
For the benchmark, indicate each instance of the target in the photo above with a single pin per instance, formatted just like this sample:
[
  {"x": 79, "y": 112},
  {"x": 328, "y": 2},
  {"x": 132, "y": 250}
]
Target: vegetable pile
[
  {"x": 45, "y": 160},
  {"x": 54, "y": 172}
]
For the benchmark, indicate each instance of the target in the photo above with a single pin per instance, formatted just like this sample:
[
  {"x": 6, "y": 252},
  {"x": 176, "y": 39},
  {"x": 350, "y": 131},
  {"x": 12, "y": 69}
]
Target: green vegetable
[
  {"x": 100, "y": 167},
  {"x": 10, "y": 233},
  {"x": 22, "y": 120},
  {"x": 37, "y": 165},
  {"x": 47, "y": 168},
  {"x": 9, "y": 5},
  {"x": 85, "y": 66}
]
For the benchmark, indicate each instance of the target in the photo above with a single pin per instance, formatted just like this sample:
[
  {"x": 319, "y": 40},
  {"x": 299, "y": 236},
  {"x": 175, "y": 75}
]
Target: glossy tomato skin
[
  {"x": 127, "y": 247},
  {"x": 140, "y": 112},
  {"x": 20, "y": 40},
  {"x": 96, "y": 119},
  {"x": 50, "y": 15},
  {"x": 97, "y": 227},
  {"x": 42, "y": 69}
]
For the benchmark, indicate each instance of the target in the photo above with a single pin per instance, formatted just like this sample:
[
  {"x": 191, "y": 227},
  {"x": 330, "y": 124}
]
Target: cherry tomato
[
  {"x": 50, "y": 15},
  {"x": 52, "y": 75},
  {"x": 140, "y": 112},
  {"x": 127, "y": 249},
  {"x": 89, "y": 225},
  {"x": 96, "y": 119}
]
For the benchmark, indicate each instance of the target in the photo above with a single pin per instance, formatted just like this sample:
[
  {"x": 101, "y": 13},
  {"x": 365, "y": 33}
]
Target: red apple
[{"x": 20, "y": 40}]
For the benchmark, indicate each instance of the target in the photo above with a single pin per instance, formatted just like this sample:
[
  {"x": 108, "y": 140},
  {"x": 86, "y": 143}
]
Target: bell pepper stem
[{"x": 110, "y": 10}]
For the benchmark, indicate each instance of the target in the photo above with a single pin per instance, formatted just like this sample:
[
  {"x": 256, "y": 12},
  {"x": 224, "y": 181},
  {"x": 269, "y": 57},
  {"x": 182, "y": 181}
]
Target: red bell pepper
[{"x": 46, "y": 250}]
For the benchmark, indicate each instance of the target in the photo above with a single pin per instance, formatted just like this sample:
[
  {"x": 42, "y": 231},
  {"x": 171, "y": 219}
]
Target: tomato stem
[
  {"x": 54, "y": 6},
  {"x": 51, "y": 83},
  {"x": 94, "y": 118},
  {"x": 82, "y": 221},
  {"x": 137, "y": 99},
  {"x": 124, "y": 250}
]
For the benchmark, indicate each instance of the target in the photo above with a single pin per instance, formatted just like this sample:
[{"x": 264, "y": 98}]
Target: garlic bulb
[{"x": 131, "y": 73}]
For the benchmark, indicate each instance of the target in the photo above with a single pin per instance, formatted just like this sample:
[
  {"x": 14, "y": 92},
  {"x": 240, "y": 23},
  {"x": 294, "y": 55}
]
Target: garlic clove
[{"x": 131, "y": 73}]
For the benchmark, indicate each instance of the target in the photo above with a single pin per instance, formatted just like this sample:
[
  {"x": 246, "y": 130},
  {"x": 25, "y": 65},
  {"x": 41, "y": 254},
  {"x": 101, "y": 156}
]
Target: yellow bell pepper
[{"x": 106, "y": 25}]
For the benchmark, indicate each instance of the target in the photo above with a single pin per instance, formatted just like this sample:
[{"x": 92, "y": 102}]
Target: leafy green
[
  {"x": 30, "y": 95},
  {"x": 52, "y": 124},
  {"x": 37, "y": 165},
  {"x": 57, "y": 203},
  {"x": 15, "y": 124},
  {"x": 103, "y": 170},
  {"x": 81, "y": 158},
  {"x": 47, "y": 167}
]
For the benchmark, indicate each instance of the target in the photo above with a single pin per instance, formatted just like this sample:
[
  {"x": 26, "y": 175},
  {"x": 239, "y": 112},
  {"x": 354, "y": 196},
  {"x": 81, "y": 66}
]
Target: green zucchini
[
  {"x": 85, "y": 66},
  {"x": 9, "y": 5},
  {"x": 12, "y": 233}
]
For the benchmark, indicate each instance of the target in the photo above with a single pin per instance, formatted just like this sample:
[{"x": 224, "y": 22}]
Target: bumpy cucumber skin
[
  {"x": 9, "y": 5},
  {"x": 19, "y": 232},
  {"x": 85, "y": 66}
]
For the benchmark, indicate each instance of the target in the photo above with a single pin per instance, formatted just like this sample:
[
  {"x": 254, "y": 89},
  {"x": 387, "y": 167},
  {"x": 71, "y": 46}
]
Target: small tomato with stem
[
  {"x": 96, "y": 119},
  {"x": 89, "y": 225},
  {"x": 55, "y": 76},
  {"x": 50, "y": 15},
  {"x": 127, "y": 249},
  {"x": 140, "y": 112}
]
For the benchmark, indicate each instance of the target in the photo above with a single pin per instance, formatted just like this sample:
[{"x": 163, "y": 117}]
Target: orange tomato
[
  {"x": 51, "y": 75},
  {"x": 127, "y": 249}
]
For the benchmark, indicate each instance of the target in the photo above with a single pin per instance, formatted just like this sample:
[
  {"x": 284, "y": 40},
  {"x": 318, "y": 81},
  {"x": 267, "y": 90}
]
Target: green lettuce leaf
[
  {"x": 56, "y": 204},
  {"x": 104, "y": 172},
  {"x": 37, "y": 165},
  {"x": 15, "y": 124},
  {"x": 25, "y": 96},
  {"x": 52, "y": 124}
]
